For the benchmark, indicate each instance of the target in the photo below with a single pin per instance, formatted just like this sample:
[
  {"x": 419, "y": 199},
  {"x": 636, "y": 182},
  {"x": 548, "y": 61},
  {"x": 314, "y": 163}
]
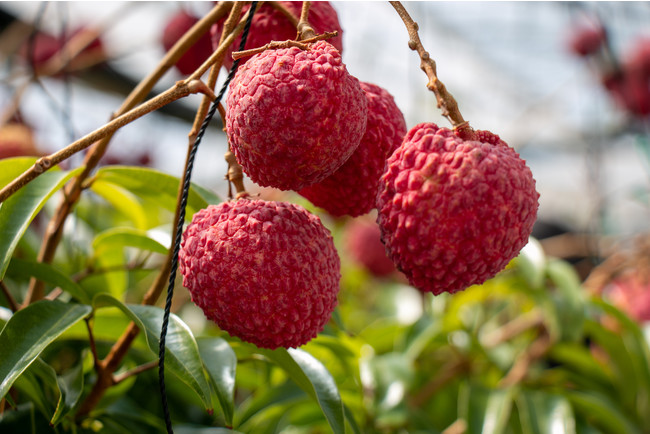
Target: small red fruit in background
[
  {"x": 270, "y": 24},
  {"x": 587, "y": 39},
  {"x": 363, "y": 243},
  {"x": 454, "y": 212},
  {"x": 194, "y": 57},
  {"x": 293, "y": 116},
  {"x": 352, "y": 189},
  {"x": 266, "y": 272},
  {"x": 17, "y": 140}
]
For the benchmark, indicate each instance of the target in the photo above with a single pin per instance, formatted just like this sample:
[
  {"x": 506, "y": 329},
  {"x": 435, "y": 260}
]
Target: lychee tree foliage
[{"x": 321, "y": 344}]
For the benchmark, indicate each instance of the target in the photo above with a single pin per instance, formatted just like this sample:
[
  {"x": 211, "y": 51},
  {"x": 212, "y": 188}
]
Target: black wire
[{"x": 181, "y": 219}]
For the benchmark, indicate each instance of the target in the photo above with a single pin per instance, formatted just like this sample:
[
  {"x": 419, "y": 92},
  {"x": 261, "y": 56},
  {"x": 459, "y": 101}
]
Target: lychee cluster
[
  {"x": 454, "y": 212},
  {"x": 198, "y": 53},
  {"x": 266, "y": 272}
]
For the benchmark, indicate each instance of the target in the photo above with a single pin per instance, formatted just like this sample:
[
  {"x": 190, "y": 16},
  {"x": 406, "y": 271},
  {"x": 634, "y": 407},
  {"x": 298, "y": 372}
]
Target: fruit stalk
[{"x": 446, "y": 101}]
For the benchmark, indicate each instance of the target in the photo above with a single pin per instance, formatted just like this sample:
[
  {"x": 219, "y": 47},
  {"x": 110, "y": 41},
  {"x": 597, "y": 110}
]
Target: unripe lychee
[
  {"x": 294, "y": 116},
  {"x": 270, "y": 24},
  {"x": 352, "y": 189},
  {"x": 363, "y": 242},
  {"x": 454, "y": 212},
  {"x": 198, "y": 53},
  {"x": 266, "y": 272}
]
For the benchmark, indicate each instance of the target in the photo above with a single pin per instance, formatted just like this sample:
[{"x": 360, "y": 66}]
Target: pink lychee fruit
[
  {"x": 294, "y": 116},
  {"x": 587, "y": 40},
  {"x": 17, "y": 140},
  {"x": 270, "y": 24},
  {"x": 453, "y": 212},
  {"x": 363, "y": 243},
  {"x": 198, "y": 53},
  {"x": 265, "y": 272},
  {"x": 352, "y": 189},
  {"x": 630, "y": 294}
]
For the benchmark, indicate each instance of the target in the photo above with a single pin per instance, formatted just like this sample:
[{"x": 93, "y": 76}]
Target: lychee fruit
[
  {"x": 294, "y": 116},
  {"x": 198, "y": 53},
  {"x": 363, "y": 243},
  {"x": 632, "y": 295},
  {"x": 352, "y": 189},
  {"x": 453, "y": 212},
  {"x": 587, "y": 40},
  {"x": 270, "y": 24},
  {"x": 266, "y": 272}
]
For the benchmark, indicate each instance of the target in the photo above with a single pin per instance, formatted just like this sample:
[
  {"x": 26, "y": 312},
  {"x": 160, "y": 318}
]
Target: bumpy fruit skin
[
  {"x": 294, "y": 116},
  {"x": 266, "y": 272},
  {"x": 194, "y": 57},
  {"x": 269, "y": 24},
  {"x": 363, "y": 242},
  {"x": 454, "y": 212},
  {"x": 352, "y": 189}
]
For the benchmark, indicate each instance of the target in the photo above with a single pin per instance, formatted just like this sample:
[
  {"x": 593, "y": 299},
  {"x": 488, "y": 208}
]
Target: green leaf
[
  {"x": 11, "y": 168},
  {"x": 48, "y": 274},
  {"x": 532, "y": 263},
  {"x": 541, "y": 412},
  {"x": 29, "y": 331},
  {"x": 220, "y": 362},
  {"x": 312, "y": 377},
  {"x": 182, "y": 356},
  {"x": 485, "y": 410},
  {"x": 600, "y": 411},
  {"x": 571, "y": 301},
  {"x": 17, "y": 212},
  {"x": 71, "y": 386},
  {"x": 118, "y": 238},
  {"x": 150, "y": 183},
  {"x": 123, "y": 200},
  {"x": 284, "y": 394}
]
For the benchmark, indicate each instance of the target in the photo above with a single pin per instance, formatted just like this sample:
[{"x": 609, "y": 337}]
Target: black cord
[{"x": 181, "y": 219}]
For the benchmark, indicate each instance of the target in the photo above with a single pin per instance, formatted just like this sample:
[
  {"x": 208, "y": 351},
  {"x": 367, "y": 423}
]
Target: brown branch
[
  {"x": 447, "y": 373},
  {"x": 235, "y": 174},
  {"x": 135, "y": 371},
  {"x": 91, "y": 343},
  {"x": 305, "y": 30},
  {"x": 446, "y": 101},
  {"x": 528, "y": 321},
  {"x": 10, "y": 298},
  {"x": 275, "y": 45},
  {"x": 536, "y": 351},
  {"x": 286, "y": 12},
  {"x": 179, "y": 90},
  {"x": 73, "y": 190}
]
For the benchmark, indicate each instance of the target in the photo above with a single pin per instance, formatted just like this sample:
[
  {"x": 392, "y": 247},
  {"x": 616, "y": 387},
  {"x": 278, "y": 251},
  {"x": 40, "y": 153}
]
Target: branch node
[
  {"x": 197, "y": 86},
  {"x": 42, "y": 164},
  {"x": 413, "y": 45}
]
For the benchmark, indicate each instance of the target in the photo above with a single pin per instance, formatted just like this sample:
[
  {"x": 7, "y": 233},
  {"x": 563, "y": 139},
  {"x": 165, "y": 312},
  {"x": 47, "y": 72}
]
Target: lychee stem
[
  {"x": 276, "y": 45},
  {"x": 446, "y": 101},
  {"x": 305, "y": 30}
]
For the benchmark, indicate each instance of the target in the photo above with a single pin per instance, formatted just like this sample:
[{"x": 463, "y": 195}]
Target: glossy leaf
[
  {"x": 18, "y": 211},
  {"x": 220, "y": 362},
  {"x": 313, "y": 378},
  {"x": 601, "y": 412},
  {"x": 48, "y": 274},
  {"x": 182, "y": 356},
  {"x": 145, "y": 182},
  {"x": 29, "y": 331}
]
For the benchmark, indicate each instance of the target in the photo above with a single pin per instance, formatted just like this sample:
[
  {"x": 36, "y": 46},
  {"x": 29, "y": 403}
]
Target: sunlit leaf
[
  {"x": 118, "y": 238},
  {"x": 18, "y": 211},
  {"x": 123, "y": 200},
  {"x": 29, "y": 331}
]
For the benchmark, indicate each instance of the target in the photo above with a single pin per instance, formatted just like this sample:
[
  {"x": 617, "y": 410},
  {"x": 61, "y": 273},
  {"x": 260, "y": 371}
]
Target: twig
[
  {"x": 135, "y": 371},
  {"x": 458, "y": 427},
  {"x": 93, "y": 346},
  {"x": 528, "y": 321},
  {"x": 235, "y": 174},
  {"x": 444, "y": 375},
  {"x": 536, "y": 351},
  {"x": 73, "y": 190},
  {"x": 305, "y": 30},
  {"x": 275, "y": 45},
  {"x": 179, "y": 90},
  {"x": 10, "y": 298},
  {"x": 446, "y": 101}
]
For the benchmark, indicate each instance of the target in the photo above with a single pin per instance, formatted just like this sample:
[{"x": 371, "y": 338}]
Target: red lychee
[
  {"x": 294, "y": 116},
  {"x": 454, "y": 212},
  {"x": 198, "y": 53},
  {"x": 266, "y": 272},
  {"x": 587, "y": 40},
  {"x": 630, "y": 294},
  {"x": 270, "y": 24},
  {"x": 363, "y": 242},
  {"x": 17, "y": 140},
  {"x": 352, "y": 189}
]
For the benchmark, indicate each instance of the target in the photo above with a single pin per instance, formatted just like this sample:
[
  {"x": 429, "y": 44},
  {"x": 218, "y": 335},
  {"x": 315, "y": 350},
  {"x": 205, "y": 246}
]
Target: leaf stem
[
  {"x": 135, "y": 371},
  {"x": 10, "y": 298}
]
